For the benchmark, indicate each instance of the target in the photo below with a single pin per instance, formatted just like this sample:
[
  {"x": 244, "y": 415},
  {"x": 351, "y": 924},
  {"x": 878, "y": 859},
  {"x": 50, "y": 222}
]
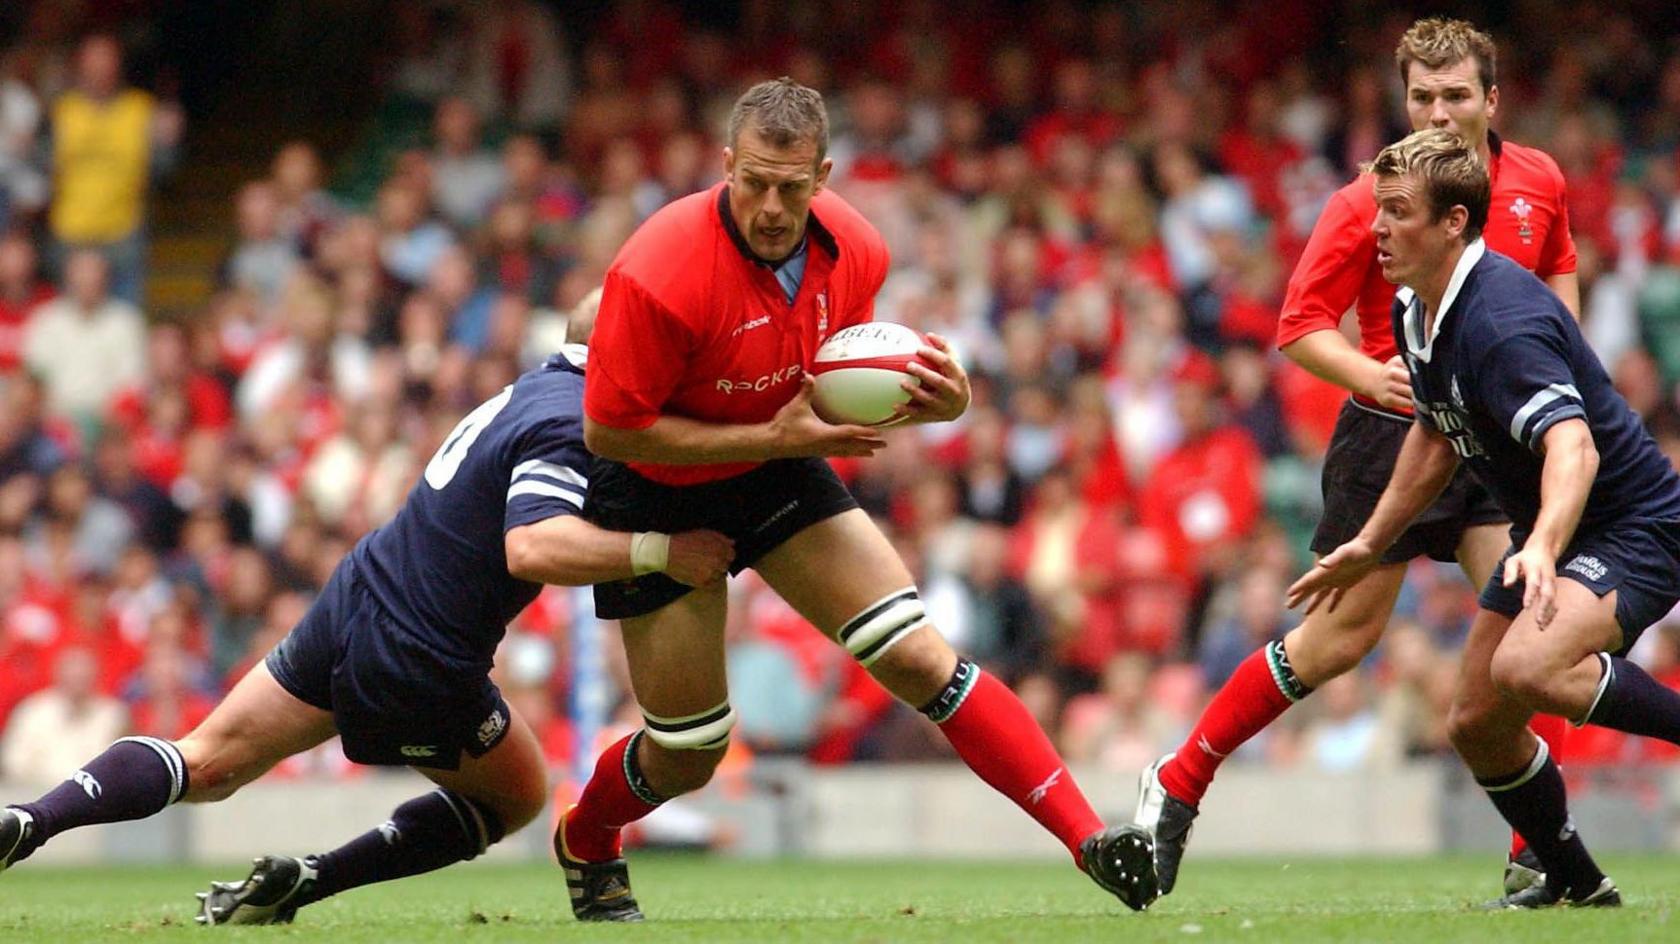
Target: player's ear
[
  {"x": 823, "y": 168},
  {"x": 729, "y": 164},
  {"x": 1458, "y": 219},
  {"x": 1492, "y": 100}
]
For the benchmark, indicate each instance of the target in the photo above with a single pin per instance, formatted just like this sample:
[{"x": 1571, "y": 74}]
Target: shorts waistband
[{"x": 1383, "y": 412}]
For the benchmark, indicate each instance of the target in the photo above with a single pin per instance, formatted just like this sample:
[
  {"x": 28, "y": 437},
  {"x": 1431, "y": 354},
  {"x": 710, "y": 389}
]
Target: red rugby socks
[{"x": 1000, "y": 741}]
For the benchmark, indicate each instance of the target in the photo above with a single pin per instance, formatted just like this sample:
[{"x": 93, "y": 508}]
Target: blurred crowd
[{"x": 1098, "y": 203}]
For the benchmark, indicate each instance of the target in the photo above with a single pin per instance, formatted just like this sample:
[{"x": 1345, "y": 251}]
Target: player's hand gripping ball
[{"x": 860, "y": 373}]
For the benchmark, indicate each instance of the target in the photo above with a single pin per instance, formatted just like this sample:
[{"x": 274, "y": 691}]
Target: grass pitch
[{"x": 694, "y": 899}]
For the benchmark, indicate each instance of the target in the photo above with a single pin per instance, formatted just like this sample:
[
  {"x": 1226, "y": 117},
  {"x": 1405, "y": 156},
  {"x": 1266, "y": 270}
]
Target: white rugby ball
[{"x": 859, "y": 372}]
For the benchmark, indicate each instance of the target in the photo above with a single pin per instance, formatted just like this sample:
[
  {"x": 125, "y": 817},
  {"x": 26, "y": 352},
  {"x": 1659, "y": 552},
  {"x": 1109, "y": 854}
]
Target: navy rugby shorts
[
  {"x": 1639, "y": 560},
  {"x": 1357, "y": 466},
  {"x": 758, "y": 510},
  {"x": 395, "y": 699}
]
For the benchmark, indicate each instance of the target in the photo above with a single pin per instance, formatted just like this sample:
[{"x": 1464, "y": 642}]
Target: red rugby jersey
[
  {"x": 692, "y": 324},
  {"x": 1528, "y": 220}
]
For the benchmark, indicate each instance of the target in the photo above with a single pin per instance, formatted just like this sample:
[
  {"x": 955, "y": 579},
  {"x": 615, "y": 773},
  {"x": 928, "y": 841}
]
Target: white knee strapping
[
  {"x": 882, "y": 624},
  {"x": 698, "y": 732}
]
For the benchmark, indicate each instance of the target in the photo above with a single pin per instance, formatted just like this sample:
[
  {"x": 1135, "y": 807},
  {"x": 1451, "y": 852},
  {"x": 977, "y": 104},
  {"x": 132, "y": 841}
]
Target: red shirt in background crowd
[
  {"x": 1260, "y": 160},
  {"x": 1528, "y": 220},
  {"x": 14, "y": 317},
  {"x": 693, "y": 325},
  {"x": 1202, "y": 494},
  {"x": 170, "y": 720}
]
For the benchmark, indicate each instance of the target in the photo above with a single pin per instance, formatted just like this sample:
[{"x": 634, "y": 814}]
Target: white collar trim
[
  {"x": 1413, "y": 318},
  {"x": 578, "y": 354}
]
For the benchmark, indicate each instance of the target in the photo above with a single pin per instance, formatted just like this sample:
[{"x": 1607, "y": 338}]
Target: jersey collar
[
  {"x": 814, "y": 230},
  {"x": 1413, "y": 319},
  {"x": 574, "y": 356}
]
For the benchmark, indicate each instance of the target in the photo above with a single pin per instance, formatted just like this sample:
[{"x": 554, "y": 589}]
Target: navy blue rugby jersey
[
  {"x": 440, "y": 566},
  {"x": 1503, "y": 364}
]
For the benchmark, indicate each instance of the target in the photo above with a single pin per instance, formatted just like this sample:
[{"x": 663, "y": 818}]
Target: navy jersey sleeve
[
  {"x": 549, "y": 477},
  {"x": 1527, "y": 387}
]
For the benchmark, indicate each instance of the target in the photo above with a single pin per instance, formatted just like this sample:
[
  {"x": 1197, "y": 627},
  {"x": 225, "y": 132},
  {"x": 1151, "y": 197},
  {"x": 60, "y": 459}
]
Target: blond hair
[
  {"x": 1438, "y": 42},
  {"x": 1451, "y": 171}
]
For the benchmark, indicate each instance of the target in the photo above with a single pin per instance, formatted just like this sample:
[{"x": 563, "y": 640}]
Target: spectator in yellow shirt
[{"x": 108, "y": 142}]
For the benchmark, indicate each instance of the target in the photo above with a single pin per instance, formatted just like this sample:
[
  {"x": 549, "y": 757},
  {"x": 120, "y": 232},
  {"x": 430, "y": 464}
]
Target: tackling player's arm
[
  {"x": 569, "y": 551},
  {"x": 1426, "y": 465},
  {"x": 1325, "y": 284},
  {"x": 546, "y": 539}
]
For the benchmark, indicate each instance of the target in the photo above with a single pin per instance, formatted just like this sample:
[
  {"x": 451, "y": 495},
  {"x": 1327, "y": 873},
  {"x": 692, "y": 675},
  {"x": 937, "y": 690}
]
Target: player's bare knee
[
  {"x": 516, "y": 805},
  {"x": 679, "y": 754},
  {"x": 523, "y": 802},
  {"x": 214, "y": 769},
  {"x": 1523, "y": 676},
  {"x": 212, "y": 782}
]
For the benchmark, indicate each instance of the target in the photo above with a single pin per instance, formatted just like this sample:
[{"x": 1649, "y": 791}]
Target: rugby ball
[{"x": 859, "y": 372}]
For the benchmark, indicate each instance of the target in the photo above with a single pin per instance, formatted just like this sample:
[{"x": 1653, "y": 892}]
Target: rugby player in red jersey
[
  {"x": 699, "y": 405},
  {"x": 1448, "y": 69}
]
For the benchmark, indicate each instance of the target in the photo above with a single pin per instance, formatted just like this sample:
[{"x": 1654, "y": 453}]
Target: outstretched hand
[{"x": 1331, "y": 577}]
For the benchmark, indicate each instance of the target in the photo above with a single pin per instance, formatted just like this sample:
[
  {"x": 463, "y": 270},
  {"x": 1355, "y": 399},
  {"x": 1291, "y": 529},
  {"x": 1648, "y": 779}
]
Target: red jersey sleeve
[
  {"x": 636, "y": 356},
  {"x": 1332, "y": 270},
  {"x": 1557, "y": 257}
]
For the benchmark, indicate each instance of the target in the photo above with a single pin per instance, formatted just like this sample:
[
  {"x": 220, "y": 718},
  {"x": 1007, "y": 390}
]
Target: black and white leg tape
[
  {"x": 882, "y": 624},
  {"x": 704, "y": 731}
]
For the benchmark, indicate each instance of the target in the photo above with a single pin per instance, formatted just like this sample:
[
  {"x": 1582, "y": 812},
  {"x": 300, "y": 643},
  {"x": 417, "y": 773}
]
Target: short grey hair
[
  {"x": 783, "y": 112},
  {"x": 580, "y": 323}
]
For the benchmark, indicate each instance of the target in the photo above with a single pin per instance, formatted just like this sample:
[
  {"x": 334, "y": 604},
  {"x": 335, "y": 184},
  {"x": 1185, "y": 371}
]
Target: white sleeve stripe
[
  {"x": 1538, "y": 402},
  {"x": 546, "y": 489},
  {"x": 553, "y": 470},
  {"x": 545, "y": 478}
]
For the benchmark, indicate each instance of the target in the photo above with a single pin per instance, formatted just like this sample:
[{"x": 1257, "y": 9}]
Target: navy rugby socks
[
  {"x": 1631, "y": 700},
  {"x": 1532, "y": 800},
  {"x": 134, "y": 778},
  {"x": 426, "y": 833}
]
